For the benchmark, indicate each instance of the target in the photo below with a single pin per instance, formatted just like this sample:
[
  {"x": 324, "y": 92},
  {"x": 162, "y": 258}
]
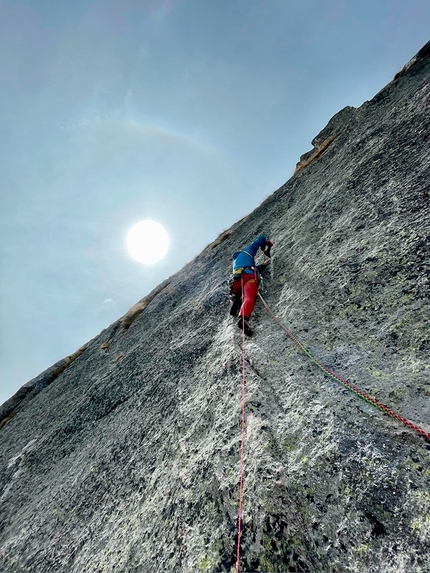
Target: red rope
[
  {"x": 242, "y": 450},
  {"x": 356, "y": 390}
]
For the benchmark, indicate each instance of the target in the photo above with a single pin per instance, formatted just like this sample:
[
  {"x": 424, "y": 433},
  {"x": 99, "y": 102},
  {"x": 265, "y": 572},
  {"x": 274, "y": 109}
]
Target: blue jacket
[{"x": 245, "y": 257}]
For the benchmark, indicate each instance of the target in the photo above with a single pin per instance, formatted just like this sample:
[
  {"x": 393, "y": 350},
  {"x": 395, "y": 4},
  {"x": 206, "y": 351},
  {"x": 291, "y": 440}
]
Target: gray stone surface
[{"x": 128, "y": 459}]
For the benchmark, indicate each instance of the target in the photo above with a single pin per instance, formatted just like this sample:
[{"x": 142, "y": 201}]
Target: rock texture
[{"x": 128, "y": 458}]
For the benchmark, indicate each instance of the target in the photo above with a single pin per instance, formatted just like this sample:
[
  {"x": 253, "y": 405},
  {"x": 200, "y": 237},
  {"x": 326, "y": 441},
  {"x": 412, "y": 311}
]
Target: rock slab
[{"x": 126, "y": 458}]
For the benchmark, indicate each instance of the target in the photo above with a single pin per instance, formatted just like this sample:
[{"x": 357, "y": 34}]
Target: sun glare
[{"x": 147, "y": 242}]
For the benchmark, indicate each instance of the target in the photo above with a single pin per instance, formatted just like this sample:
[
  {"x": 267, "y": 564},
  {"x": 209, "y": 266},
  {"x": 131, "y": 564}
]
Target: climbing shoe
[
  {"x": 235, "y": 304},
  {"x": 242, "y": 323}
]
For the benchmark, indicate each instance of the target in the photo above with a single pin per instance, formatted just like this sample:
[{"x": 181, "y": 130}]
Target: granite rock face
[{"x": 128, "y": 458}]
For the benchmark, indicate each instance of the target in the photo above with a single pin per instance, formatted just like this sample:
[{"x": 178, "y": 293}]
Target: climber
[{"x": 245, "y": 275}]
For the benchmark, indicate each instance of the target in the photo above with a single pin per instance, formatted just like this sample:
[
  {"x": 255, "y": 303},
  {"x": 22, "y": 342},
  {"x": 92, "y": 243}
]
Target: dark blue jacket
[{"x": 245, "y": 257}]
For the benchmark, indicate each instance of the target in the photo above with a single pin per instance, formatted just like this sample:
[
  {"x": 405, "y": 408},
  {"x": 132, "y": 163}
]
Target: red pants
[{"x": 250, "y": 291}]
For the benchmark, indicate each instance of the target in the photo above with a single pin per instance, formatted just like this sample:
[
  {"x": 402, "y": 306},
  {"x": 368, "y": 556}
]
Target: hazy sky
[{"x": 189, "y": 112}]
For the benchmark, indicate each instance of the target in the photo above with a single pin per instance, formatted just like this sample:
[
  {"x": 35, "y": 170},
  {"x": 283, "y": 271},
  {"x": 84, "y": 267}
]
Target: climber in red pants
[{"x": 244, "y": 285}]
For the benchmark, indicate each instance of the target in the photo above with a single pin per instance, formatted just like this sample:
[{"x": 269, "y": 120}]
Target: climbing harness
[
  {"x": 234, "y": 298},
  {"x": 348, "y": 385},
  {"x": 237, "y": 274},
  {"x": 242, "y": 452}
]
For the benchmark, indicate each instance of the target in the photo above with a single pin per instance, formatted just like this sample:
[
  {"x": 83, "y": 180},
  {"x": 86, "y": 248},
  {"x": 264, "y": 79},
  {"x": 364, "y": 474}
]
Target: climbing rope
[
  {"x": 242, "y": 450},
  {"x": 348, "y": 385}
]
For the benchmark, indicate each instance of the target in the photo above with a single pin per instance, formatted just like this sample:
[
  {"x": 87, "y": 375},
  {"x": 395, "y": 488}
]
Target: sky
[{"x": 187, "y": 112}]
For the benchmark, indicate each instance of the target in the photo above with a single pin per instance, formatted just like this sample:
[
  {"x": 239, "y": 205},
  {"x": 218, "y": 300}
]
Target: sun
[{"x": 147, "y": 242}]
